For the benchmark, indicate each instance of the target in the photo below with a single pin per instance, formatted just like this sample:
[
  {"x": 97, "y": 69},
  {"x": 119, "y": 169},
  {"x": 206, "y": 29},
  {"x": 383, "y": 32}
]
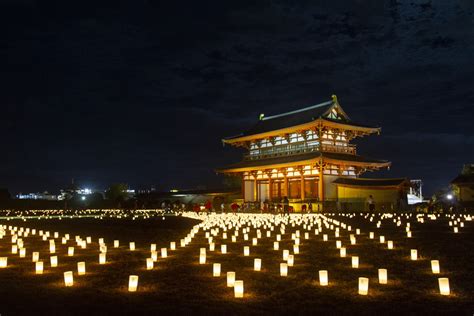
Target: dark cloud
[{"x": 142, "y": 91}]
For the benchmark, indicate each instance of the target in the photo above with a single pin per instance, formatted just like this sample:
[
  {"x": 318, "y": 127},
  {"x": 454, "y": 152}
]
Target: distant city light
[
  {"x": 83, "y": 198},
  {"x": 449, "y": 196}
]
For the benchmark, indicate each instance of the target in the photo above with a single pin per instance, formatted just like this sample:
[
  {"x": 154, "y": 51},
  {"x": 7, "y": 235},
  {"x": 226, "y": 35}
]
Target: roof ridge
[{"x": 299, "y": 110}]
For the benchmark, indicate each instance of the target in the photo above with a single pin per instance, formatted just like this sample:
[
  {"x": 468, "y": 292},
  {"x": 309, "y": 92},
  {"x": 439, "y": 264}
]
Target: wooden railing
[
  {"x": 280, "y": 151},
  {"x": 349, "y": 149}
]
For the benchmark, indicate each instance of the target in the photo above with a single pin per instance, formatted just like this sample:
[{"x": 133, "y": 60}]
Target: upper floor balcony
[{"x": 293, "y": 149}]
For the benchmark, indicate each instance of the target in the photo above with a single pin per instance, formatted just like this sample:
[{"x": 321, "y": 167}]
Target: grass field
[{"x": 178, "y": 284}]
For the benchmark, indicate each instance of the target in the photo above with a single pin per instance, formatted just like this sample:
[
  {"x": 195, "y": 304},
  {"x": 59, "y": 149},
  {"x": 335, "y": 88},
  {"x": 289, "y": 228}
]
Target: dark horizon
[{"x": 142, "y": 92}]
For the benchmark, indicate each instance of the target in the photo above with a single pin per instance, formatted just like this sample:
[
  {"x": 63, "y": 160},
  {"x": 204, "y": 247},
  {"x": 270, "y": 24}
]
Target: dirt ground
[{"x": 180, "y": 285}]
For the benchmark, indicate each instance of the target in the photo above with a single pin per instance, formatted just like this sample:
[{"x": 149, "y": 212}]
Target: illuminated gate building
[{"x": 307, "y": 156}]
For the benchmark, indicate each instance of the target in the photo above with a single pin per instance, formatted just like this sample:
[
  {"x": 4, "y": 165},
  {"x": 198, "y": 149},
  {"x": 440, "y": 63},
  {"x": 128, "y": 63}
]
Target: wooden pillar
[
  {"x": 302, "y": 187},
  {"x": 285, "y": 185},
  {"x": 255, "y": 189},
  {"x": 321, "y": 182},
  {"x": 270, "y": 187},
  {"x": 302, "y": 194},
  {"x": 243, "y": 187}
]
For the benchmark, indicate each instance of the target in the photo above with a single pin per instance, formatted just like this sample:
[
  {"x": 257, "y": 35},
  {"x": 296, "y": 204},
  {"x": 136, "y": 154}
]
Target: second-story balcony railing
[
  {"x": 348, "y": 149},
  {"x": 289, "y": 150}
]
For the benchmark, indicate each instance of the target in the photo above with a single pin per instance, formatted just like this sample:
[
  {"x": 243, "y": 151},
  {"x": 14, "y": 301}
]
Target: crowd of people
[
  {"x": 281, "y": 207},
  {"x": 276, "y": 207}
]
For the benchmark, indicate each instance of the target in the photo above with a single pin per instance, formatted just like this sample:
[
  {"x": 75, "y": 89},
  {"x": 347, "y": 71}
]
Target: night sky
[{"x": 142, "y": 93}]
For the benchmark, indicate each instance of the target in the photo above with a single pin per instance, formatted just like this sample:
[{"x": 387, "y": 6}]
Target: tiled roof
[
  {"x": 463, "y": 179},
  {"x": 302, "y": 157},
  {"x": 294, "y": 118}
]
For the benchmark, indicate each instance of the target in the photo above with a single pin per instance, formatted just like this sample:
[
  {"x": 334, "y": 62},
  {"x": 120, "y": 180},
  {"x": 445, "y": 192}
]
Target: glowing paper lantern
[
  {"x": 212, "y": 246},
  {"x": 325, "y": 237},
  {"x": 35, "y": 256},
  {"x": 283, "y": 269},
  {"x": 390, "y": 244},
  {"x": 276, "y": 245},
  {"x": 234, "y": 239},
  {"x": 54, "y": 261},
  {"x": 443, "y": 286},
  {"x": 173, "y": 245},
  {"x": 164, "y": 252},
  {"x": 286, "y": 253},
  {"x": 102, "y": 258},
  {"x": 383, "y": 277},
  {"x": 230, "y": 278},
  {"x": 414, "y": 254},
  {"x": 363, "y": 286},
  {"x": 202, "y": 258},
  {"x": 239, "y": 289},
  {"x": 257, "y": 264},
  {"x": 116, "y": 243},
  {"x": 81, "y": 268},
  {"x": 132, "y": 283},
  {"x": 254, "y": 241},
  {"x": 216, "y": 270},
  {"x": 409, "y": 234},
  {"x": 338, "y": 244},
  {"x": 70, "y": 251},
  {"x": 342, "y": 252},
  {"x": 223, "y": 248},
  {"x": 39, "y": 267},
  {"x": 323, "y": 277},
  {"x": 382, "y": 239},
  {"x": 456, "y": 230},
  {"x": 371, "y": 235},
  {"x": 3, "y": 262},
  {"x": 435, "y": 266},
  {"x": 103, "y": 248},
  {"x": 152, "y": 247},
  {"x": 132, "y": 246},
  {"x": 246, "y": 251},
  {"x": 14, "y": 249},
  {"x": 296, "y": 249},
  {"x": 353, "y": 240},
  {"x": 355, "y": 262},
  {"x": 22, "y": 253},
  {"x": 149, "y": 263},
  {"x": 52, "y": 248},
  {"x": 291, "y": 260},
  {"x": 68, "y": 278}
]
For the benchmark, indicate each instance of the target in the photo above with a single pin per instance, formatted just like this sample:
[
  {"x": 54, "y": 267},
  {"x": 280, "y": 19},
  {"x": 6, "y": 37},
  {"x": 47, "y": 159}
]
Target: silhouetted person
[
  {"x": 286, "y": 205},
  {"x": 371, "y": 202}
]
